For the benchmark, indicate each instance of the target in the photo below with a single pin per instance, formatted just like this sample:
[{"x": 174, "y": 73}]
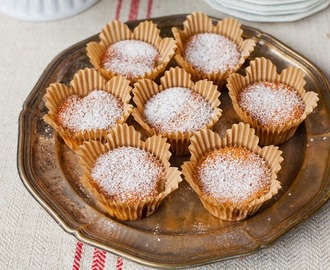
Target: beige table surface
[{"x": 30, "y": 238}]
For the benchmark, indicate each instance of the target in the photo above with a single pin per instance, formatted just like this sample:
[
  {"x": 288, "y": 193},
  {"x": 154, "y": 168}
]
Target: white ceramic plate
[
  {"x": 272, "y": 2},
  {"x": 279, "y": 9}
]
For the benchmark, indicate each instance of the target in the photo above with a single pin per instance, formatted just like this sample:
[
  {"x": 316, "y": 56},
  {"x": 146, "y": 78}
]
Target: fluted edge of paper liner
[
  {"x": 205, "y": 141},
  {"x": 262, "y": 69},
  {"x": 146, "y": 31},
  {"x": 196, "y": 23},
  {"x": 84, "y": 82},
  {"x": 175, "y": 77},
  {"x": 121, "y": 136}
]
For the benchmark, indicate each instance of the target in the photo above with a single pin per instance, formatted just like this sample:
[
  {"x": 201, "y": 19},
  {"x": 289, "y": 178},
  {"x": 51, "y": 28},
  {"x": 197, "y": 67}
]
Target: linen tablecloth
[{"x": 30, "y": 238}]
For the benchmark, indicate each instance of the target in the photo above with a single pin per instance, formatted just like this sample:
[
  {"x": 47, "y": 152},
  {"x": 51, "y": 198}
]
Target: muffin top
[
  {"x": 177, "y": 109},
  {"x": 208, "y": 52},
  {"x": 130, "y": 58},
  {"x": 233, "y": 175},
  {"x": 128, "y": 174},
  {"x": 270, "y": 103},
  {"x": 98, "y": 110}
]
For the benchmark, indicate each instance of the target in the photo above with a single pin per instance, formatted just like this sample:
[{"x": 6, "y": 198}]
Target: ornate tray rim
[{"x": 26, "y": 173}]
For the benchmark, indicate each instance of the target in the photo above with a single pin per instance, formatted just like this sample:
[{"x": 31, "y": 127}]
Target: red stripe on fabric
[
  {"x": 119, "y": 264},
  {"x": 133, "y": 12},
  {"x": 99, "y": 257},
  {"x": 118, "y": 9},
  {"x": 149, "y": 8},
  {"x": 77, "y": 256}
]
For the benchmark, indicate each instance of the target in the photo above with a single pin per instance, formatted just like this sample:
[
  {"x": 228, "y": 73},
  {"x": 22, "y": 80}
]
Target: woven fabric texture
[{"x": 30, "y": 238}]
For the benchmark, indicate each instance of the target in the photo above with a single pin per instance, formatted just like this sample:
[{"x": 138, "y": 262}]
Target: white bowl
[{"x": 44, "y": 10}]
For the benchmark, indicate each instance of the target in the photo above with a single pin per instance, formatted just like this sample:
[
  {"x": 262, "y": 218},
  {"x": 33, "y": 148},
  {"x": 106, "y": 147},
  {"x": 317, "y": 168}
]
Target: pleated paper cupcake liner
[
  {"x": 205, "y": 141},
  {"x": 124, "y": 136},
  {"x": 263, "y": 70},
  {"x": 146, "y": 31},
  {"x": 230, "y": 28},
  {"x": 84, "y": 82},
  {"x": 145, "y": 89}
]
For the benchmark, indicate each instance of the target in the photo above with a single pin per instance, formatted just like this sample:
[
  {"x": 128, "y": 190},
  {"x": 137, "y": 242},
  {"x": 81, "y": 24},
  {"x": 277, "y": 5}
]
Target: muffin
[
  {"x": 176, "y": 108},
  {"x": 88, "y": 108},
  {"x": 138, "y": 54},
  {"x": 274, "y": 104},
  {"x": 232, "y": 176},
  {"x": 128, "y": 176},
  {"x": 209, "y": 51}
]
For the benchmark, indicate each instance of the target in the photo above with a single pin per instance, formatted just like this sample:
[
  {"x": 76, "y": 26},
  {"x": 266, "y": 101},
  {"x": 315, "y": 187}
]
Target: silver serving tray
[{"x": 181, "y": 233}]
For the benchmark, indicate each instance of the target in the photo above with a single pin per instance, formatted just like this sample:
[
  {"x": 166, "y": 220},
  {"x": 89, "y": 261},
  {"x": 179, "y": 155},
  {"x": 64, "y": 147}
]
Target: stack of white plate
[{"x": 269, "y": 10}]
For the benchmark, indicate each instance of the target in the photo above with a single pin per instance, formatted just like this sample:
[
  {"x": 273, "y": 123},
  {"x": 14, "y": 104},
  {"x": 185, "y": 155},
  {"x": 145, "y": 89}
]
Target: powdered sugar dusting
[
  {"x": 233, "y": 175},
  {"x": 130, "y": 58},
  {"x": 271, "y": 103},
  {"x": 99, "y": 109},
  {"x": 211, "y": 52},
  {"x": 128, "y": 174},
  {"x": 177, "y": 109}
]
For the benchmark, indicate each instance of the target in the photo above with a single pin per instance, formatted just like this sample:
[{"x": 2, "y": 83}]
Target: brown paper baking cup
[
  {"x": 146, "y": 31},
  {"x": 82, "y": 84},
  {"x": 175, "y": 77},
  {"x": 205, "y": 141},
  {"x": 124, "y": 135},
  {"x": 200, "y": 23},
  {"x": 262, "y": 69}
]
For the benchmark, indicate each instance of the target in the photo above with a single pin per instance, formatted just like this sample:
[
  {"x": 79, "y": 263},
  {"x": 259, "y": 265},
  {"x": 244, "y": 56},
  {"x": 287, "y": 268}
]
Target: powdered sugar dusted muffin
[
  {"x": 274, "y": 104},
  {"x": 127, "y": 176},
  {"x": 271, "y": 103},
  {"x": 176, "y": 108},
  {"x": 98, "y": 110},
  {"x": 232, "y": 176},
  {"x": 130, "y": 58},
  {"x": 136, "y": 54},
  {"x": 209, "y": 51},
  {"x": 88, "y": 108}
]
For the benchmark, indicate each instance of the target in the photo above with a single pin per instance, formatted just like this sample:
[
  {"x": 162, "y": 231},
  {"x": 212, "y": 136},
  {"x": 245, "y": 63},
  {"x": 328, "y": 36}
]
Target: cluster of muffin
[{"x": 129, "y": 176}]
